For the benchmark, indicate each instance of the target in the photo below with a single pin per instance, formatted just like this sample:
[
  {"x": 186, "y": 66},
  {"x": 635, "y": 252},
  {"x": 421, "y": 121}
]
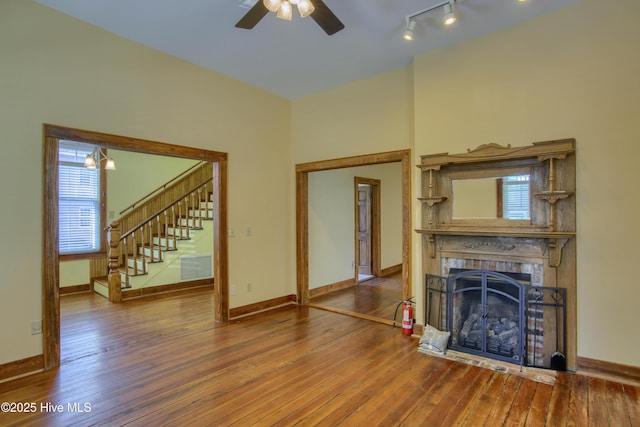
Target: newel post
[{"x": 113, "y": 263}]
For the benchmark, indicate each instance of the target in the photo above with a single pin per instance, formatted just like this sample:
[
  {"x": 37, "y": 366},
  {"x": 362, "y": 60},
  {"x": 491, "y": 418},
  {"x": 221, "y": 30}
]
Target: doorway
[
  {"x": 302, "y": 216},
  {"x": 367, "y": 235},
  {"x": 51, "y": 269}
]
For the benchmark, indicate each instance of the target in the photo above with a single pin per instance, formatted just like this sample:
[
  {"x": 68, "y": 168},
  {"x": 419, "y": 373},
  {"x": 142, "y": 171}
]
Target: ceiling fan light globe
[
  {"x": 272, "y": 5},
  {"x": 294, "y": 1},
  {"x": 305, "y": 7},
  {"x": 285, "y": 12}
]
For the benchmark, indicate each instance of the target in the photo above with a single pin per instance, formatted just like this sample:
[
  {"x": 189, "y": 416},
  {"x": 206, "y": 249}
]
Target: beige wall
[
  {"x": 331, "y": 221},
  {"x": 363, "y": 117},
  {"x": 573, "y": 73},
  {"x": 137, "y": 175},
  {"x": 55, "y": 69}
]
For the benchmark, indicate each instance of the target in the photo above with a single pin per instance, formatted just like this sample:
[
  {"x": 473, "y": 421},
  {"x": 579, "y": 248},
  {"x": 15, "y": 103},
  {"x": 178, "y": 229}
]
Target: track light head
[
  {"x": 409, "y": 32},
  {"x": 449, "y": 15}
]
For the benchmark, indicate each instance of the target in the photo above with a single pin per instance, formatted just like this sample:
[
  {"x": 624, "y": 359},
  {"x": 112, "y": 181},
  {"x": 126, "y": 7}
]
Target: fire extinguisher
[{"x": 407, "y": 318}]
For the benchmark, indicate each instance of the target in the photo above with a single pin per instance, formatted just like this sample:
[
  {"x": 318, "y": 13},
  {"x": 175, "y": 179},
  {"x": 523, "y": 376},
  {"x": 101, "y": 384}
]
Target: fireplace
[
  {"x": 504, "y": 287},
  {"x": 499, "y": 315},
  {"x": 485, "y": 314}
]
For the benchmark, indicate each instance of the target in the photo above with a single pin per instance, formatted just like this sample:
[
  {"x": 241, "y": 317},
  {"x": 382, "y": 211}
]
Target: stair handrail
[
  {"x": 163, "y": 186},
  {"x": 160, "y": 211}
]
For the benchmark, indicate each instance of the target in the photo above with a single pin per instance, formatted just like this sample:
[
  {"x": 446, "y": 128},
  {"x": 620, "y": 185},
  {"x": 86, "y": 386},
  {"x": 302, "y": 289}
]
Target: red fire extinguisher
[{"x": 407, "y": 318}]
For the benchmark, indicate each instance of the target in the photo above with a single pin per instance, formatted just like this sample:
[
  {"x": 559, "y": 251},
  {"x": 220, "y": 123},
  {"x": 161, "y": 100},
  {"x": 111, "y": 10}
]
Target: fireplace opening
[
  {"x": 486, "y": 313},
  {"x": 498, "y": 315}
]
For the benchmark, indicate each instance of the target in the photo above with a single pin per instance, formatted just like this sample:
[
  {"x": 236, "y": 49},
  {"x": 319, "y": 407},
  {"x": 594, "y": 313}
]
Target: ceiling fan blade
[
  {"x": 325, "y": 18},
  {"x": 251, "y": 18}
]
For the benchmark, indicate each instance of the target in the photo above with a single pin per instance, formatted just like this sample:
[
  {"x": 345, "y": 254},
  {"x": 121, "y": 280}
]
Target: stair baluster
[
  {"x": 199, "y": 206},
  {"x": 152, "y": 252},
  {"x": 134, "y": 254},
  {"x": 125, "y": 261},
  {"x": 191, "y": 215},
  {"x": 173, "y": 221},
  {"x": 159, "y": 228},
  {"x": 186, "y": 222}
]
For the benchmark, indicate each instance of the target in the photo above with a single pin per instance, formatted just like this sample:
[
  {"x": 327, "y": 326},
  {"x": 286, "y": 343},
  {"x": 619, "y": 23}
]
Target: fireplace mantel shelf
[
  {"x": 556, "y": 239},
  {"x": 497, "y": 233}
]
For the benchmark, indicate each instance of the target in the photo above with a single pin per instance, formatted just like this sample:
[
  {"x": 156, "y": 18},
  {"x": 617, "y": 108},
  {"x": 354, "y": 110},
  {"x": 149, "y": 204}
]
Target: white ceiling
[{"x": 294, "y": 59}]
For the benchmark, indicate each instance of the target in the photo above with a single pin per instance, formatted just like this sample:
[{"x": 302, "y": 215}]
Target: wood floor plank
[
  {"x": 477, "y": 411},
  {"x": 579, "y": 402},
  {"x": 616, "y": 405},
  {"x": 409, "y": 401},
  {"x": 426, "y": 403},
  {"x": 402, "y": 390},
  {"x": 632, "y": 398},
  {"x": 597, "y": 403},
  {"x": 455, "y": 413},
  {"x": 559, "y": 405},
  {"x": 167, "y": 362},
  {"x": 521, "y": 404},
  {"x": 499, "y": 412},
  {"x": 539, "y": 406}
]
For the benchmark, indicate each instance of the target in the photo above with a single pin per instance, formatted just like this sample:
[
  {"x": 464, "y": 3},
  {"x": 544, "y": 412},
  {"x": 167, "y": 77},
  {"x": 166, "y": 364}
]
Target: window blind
[
  {"x": 79, "y": 201},
  {"x": 515, "y": 197}
]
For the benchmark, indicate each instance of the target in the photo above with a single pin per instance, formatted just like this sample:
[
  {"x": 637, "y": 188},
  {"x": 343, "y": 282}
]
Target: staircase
[
  {"x": 149, "y": 238},
  {"x": 150, "y": 241}
]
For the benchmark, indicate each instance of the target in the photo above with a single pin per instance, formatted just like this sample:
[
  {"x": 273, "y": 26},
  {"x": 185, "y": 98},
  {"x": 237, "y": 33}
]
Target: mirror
[{"x": 506, "y": 197}]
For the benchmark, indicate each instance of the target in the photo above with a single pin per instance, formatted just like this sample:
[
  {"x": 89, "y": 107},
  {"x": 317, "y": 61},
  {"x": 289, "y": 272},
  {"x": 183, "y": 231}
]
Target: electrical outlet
[
  {"x": 233, "y": 290},
  {"x": 36, "y": 327},
  {"x": 232, "y": 232},
  {"x": 248, "y": 287},
  {"x": 248, "y": 231}
]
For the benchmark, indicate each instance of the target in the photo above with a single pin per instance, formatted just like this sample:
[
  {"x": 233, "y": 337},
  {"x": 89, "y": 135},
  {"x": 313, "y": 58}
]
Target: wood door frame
[
  {"x": 50, "y": 256},
  {"x": 376, "y": 252},
  {"x": 302, "y": 213}
]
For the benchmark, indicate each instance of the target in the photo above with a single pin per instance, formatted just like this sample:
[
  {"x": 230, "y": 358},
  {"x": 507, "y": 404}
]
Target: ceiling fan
[{"x": 323, "y": 16}]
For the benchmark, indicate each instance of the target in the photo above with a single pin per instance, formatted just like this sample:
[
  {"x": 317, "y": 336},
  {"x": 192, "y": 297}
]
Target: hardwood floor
[
  {"x": 166, "y": 362},
  {"x": 377, "y": 297}
]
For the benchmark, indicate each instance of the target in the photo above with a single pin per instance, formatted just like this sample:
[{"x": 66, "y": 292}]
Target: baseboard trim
[
  {"x": 262, "y": 305},
  {"x": 331, "y": 287},
  {"x": 391, "y": 270},
  {"x": 154, "y": 291},
  {"x": 356, "y": 315},
  {"x": 75, "y": 289},
  {"x": 609, "y": 371},
  {"x": 21, "y": 367}
]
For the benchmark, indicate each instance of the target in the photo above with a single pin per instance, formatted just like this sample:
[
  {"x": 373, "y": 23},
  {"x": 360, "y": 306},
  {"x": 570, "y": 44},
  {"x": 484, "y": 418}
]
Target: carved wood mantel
[{"x": 547, "y": 237}]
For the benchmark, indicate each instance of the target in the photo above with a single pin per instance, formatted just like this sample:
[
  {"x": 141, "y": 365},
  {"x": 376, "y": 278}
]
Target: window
[
  {"x": 80, "y": 201},
  {"x": 515, "y": 197}
]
